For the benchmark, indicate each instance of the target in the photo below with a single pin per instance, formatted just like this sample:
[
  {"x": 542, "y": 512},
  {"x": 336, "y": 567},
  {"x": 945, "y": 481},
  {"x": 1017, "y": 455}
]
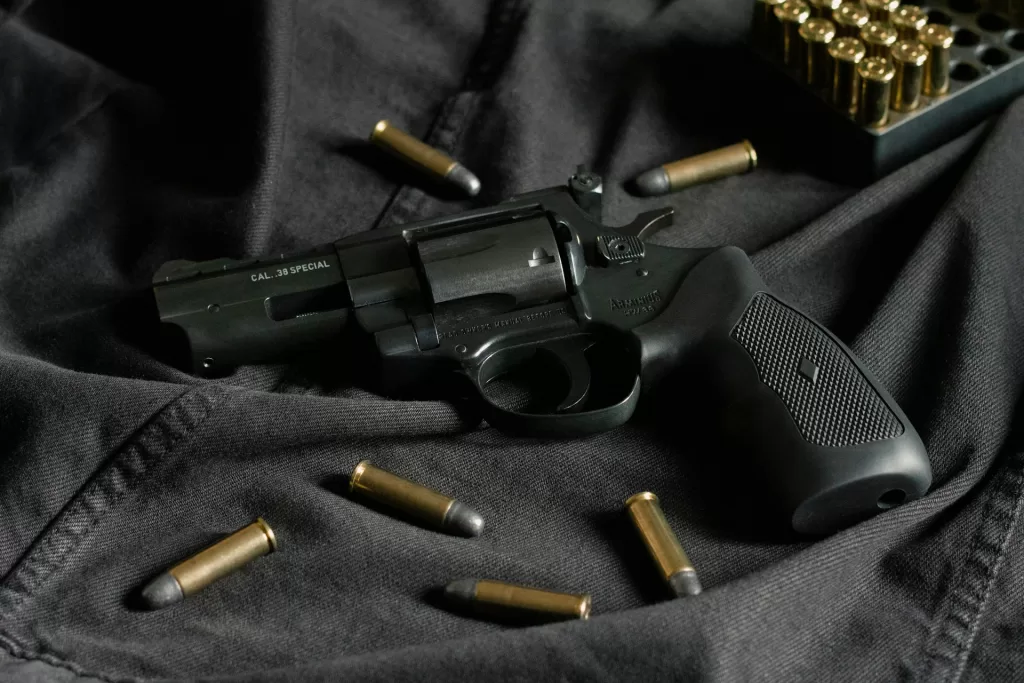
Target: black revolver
[{"x": 539, "y": 281}]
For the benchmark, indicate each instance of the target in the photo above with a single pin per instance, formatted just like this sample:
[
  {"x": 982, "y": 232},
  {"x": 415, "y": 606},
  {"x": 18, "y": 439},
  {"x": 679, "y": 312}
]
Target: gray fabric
[{"x": 134, "y": 133}]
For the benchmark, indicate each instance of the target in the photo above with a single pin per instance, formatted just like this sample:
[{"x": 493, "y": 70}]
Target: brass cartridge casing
[
  {"x": 674, "y": 566},
  {"x": 876, "y": 76},
  {"x": 908, "y": 61},
  {"x": 507, "y": 601},
  {"x": 881, "y": 10},
  {"x": 224, "y": 557},
  {"x": 816, "y": 34},
  {"x": 846, "y": 54},
  {"x": 939, "y": 41},
  {"x": 822, "y": 9},
  {"x": 878, "y": 37},
  {"x": 431, "y": 161},
  {"x": 909, "y": 20},
  {"x": 850, "y": 19},
  {"x": 418, "y": 502},
  {"x": 791, "y": 14},
  {"x": 702, "y": 168}
]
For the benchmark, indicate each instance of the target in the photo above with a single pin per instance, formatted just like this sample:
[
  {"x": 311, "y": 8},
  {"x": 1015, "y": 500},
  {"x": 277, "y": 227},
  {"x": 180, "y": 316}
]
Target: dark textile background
[{"x": 134, "y": 132}]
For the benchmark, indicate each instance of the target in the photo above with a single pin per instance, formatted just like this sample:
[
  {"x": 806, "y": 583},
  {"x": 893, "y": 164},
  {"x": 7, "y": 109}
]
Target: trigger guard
[
  {"x": 568, "y": 420},
  {"x": 569, "y": 353},
  {"x": 565, "y": 425}
]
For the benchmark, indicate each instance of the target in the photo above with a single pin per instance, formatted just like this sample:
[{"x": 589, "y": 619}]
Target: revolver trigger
[
  {"x": 648, "y": 222},
  {"x": 570, "y": 355}
]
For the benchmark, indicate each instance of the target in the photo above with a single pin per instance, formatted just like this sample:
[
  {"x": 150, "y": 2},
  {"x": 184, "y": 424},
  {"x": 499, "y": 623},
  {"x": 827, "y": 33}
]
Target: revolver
[{"x": 599, "y": 313}]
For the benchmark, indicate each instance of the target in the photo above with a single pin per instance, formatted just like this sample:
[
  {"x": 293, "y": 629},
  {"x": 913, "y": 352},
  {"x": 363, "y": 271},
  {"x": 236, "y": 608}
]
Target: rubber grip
[
  {"x": 830, "y": 400},
  {"x": 795, "y": 406}
]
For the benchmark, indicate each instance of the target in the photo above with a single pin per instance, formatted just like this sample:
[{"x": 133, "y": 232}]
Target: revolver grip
[{"x": 817, "y": 428}]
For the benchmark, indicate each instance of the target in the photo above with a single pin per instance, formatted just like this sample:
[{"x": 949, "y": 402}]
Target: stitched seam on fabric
[
  {"x": 408, "y": 199},
  {"x": 451, "y": 123},
  {"x": 953, "y": 637},
  {"x": 496, "y": 48},
  {"x": 404, "y": 200},
  {"x": 1010, "y": 522},
  {"x": 122, "y": 472},
  {"x": 16, "y": 650}
]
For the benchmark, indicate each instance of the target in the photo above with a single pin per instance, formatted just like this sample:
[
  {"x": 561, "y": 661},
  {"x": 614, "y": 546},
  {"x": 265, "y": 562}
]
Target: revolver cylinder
[{"x": 519, "y": 260}]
